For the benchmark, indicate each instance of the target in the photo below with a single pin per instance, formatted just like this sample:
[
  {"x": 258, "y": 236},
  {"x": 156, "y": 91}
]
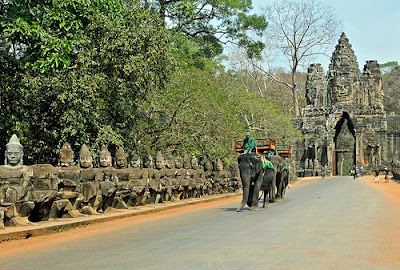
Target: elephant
[
  {"x": 283, "y": 183},
  {"x": 251, "y": 174},
  {"x": 266, "y": 185},
  {"x": 278, "y": 181}
]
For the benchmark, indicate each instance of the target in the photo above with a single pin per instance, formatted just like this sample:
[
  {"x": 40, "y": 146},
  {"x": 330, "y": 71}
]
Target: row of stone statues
[{"x": 42, "y": 191}]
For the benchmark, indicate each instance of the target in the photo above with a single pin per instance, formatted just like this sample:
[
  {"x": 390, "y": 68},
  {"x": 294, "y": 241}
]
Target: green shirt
[{"x": 249, "y": 144}]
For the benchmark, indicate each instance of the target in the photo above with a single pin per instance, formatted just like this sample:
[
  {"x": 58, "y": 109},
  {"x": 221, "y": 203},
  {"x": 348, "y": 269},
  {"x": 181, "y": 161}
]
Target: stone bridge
[{"x": 42, "y": 191}]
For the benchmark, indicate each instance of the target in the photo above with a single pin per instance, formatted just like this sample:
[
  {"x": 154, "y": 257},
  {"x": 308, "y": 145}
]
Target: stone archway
[{"x": 344, "y": 153}]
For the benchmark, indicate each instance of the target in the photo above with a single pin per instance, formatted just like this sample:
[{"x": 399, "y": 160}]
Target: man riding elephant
[{"x": 249, "y": 144}]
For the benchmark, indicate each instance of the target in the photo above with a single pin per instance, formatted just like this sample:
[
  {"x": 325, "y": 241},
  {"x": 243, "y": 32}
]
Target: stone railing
[
  {"x": 42, "y": 191},
  {"x": 39, "y": 192}
]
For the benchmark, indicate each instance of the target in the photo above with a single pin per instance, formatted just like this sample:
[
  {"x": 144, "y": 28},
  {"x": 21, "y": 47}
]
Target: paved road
[{"x": 327, "y": 224}]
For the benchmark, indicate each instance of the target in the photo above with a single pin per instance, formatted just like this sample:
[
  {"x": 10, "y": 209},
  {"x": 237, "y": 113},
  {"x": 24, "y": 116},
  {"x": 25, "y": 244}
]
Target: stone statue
[
  {"x": 136, "y": 161},
  {"x": 178, "y": 162},
  {"x": 148, "y": 161},
  {"x": 105, "y": 157},
  {"x": 14, "y": 152},
  {"x": 120, "y": 159},
  {"x": 194, "y": 162},
  {"x": 66, "y": 155},
  {"x": 89, "y": 183},
  {"x": 186, "y": 162},
  {"x": 85, "y": 157},
  {"x": 160, "y": 161},
  {"x": 170, "y": 162}
]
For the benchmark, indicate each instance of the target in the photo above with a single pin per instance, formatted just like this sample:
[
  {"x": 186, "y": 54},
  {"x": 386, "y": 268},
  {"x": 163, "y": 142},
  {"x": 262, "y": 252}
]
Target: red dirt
[{"x": 388, "y": 237}]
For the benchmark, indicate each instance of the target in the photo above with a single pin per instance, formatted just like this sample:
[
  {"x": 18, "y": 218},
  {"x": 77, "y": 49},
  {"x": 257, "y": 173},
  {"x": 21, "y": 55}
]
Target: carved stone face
[
  {"x": 105, "y": 160},
  {"x": 86, "y": 161},
  {"x": 135, "y": 161},
  {"x": 208, "y": 165},
  {"x": 120, "y": 158},
  {"x": 148, "y": 161},
  {"x": 170, "y": 162},
  {"x": 14, "y": 154},
  {"x": 121, "y": 161},
  {"x": 178, "y": 162},
  {"x": 159, "y": 161},
  {"x": 85, "y": 157},
  {"x": 66, "y": 155},
  {"x": 194, "y": 162},
  {"x": 220, "y": 165}
]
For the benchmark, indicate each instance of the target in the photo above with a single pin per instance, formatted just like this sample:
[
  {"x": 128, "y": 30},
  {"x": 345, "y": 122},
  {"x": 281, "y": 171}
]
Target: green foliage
[
  {"x": 89, "y": 91},
  {"x": 111, "y": 72},
  {"x": 391, "y": 85},
  {"x": 211, "y": 23},
  {"x": 204, "y": 112}
]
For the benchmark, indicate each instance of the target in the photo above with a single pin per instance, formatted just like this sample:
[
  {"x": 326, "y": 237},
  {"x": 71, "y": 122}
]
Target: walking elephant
[{"x": 251, "y": 174}]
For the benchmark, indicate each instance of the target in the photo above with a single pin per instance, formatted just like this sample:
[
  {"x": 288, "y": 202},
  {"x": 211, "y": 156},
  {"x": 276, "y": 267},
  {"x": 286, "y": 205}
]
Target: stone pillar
[
  {"x": 330, "y": 148},
  {"x": 358, "y": 149}
]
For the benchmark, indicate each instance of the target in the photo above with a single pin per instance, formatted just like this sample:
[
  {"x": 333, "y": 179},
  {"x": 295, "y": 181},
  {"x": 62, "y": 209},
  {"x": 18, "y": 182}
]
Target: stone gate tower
[{"x": 345, "y": 123}]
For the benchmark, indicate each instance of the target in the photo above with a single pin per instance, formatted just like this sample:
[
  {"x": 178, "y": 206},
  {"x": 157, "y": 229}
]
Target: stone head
[
  {"x": 120, "y": 159},
  {"x": 136, "y": 161},
  {"x": 186, "y": 162},
  {"x": 105, "y": 157},
  {"x": 85, "y": 157},
  {"x": 66, "y": 155},
  {"x": 194, "y": 162},
  {"x": 170, "y": 162},
  {"x": 208, "y": 166},
  {"x": 159, "y": 161},
  {"x": 14, "y": 152},
  {"x": 219, "y": 165},
  {"x": 148, "y": 161},
  {"x": 178, "y": 162}
]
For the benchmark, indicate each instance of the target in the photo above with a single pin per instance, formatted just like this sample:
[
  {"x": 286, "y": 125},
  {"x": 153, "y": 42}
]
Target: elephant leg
[
  {"x": 246, "y": 190},
  {"x": 265, "y": 200},
  {"x": 273, "y": 192},
  {"x": 257, "y": 187}
]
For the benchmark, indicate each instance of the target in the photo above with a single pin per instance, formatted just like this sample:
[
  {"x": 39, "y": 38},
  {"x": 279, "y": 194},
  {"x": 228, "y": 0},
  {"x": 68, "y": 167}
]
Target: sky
[{"x": 372, "y": 27}]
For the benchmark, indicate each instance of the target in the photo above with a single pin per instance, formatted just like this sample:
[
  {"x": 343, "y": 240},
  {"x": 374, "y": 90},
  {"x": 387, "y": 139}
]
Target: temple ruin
[{"x": 345, "y": 123}]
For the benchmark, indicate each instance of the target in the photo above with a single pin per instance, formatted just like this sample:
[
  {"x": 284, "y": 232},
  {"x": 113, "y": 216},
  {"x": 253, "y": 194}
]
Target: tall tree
[
  {"x": 213, "y": 23},
  {"x": 82, "y": 68},
  {"x": 299, "y": 31}
]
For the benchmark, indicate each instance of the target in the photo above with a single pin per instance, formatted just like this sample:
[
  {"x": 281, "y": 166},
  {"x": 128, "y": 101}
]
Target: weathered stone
[
  {"x": 14, "y": 153},
  {"x": 344, "y": 121}
]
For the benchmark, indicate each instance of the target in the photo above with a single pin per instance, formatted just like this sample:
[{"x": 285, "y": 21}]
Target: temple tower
[{"x": 344, "y": 123}]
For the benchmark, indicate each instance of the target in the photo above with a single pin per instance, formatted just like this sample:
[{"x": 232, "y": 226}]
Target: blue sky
[{"x": 372, "y": 26}]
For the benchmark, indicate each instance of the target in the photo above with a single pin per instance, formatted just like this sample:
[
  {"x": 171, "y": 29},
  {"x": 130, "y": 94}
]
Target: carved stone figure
[
  {"x": 121, "y": 159},
  {"x": 160, "y": 161},
  {"x": 66, "y": 155},
  {"x": 148, "y": 161},
  {"x": 85, "y": 157},
  {"x": 136, "y": 161},
  {"x": 14, "y": 153},
  {"x": 105, "y": 157}
]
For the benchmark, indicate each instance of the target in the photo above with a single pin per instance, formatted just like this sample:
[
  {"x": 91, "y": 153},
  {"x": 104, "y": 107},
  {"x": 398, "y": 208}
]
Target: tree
[
  {"x": 299, "y": 31},
  {"x": 203, "y": 111},
  {"x": 213, "y": 23},
  {"x": 87, "y": 89},
  {"x": 391, "y": 84}
]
